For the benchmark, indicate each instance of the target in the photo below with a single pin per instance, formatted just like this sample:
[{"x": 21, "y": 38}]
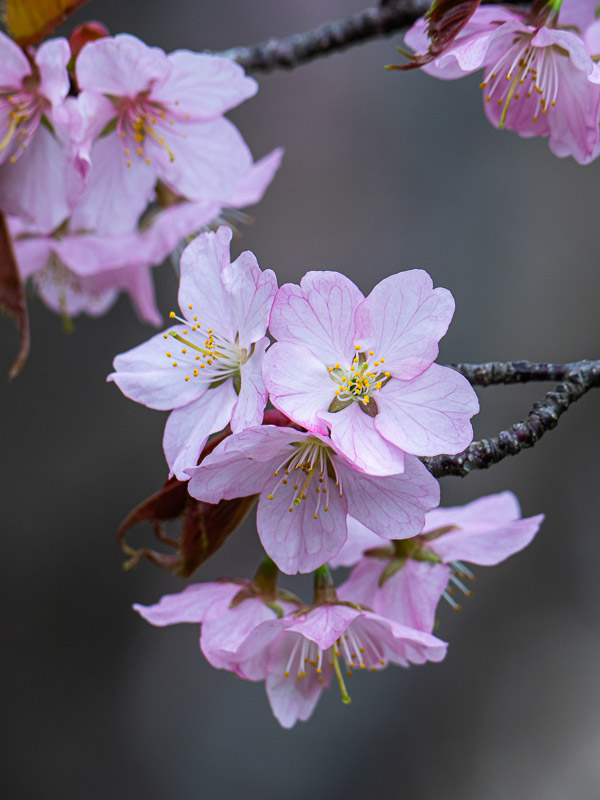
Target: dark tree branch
[
  {"x": 576, "y": 379},
  {"x": 372, "y": 23}
]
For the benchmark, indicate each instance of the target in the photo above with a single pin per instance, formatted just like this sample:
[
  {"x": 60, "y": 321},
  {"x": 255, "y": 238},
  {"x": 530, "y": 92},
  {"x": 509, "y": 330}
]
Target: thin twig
[
  {"x": 299, "y": 48},
  {"x": 576, "y": 379}
]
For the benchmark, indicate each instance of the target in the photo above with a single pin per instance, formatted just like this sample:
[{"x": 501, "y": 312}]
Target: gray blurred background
[{"x": 382, "y": 171}]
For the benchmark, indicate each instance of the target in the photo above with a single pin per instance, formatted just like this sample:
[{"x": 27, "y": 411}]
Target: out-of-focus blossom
[
  {"x": 363, "y": 368},
  {"x": 540, "y": 75},
  {"x": 160, "y": 116},
  {"x": 208, "y": 367},
  {"x": 406, "y": 580},
  {"x": 307, "y": 490},
  {"x": 34, "y": 160}
]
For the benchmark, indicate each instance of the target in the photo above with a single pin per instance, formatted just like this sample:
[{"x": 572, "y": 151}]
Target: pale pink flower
[
  {"x": 307, "y": 490},
  {"x": 300, "y": 653},
  {"x": 406, "y": 581},
  {"x": 160, "y": 116},
  {"x": 34, "y": 160},
  {"x": 363, "y": 369},
  {"x": 539, "y": 80},
  {"x": 208, "y": 367}
]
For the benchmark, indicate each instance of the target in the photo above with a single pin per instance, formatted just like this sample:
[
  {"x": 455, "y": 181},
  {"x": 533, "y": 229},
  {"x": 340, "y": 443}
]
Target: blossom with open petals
[
  {"x": 307, "y": 489},
  {"x": 406, "y": 581},
  {"x": 301, "y": 652},
  {"x": 363, "y": 369},
  {"x": 160, "y": 116},
  {"x": 207, "y": 368},
  {"x": 540, "y": 74}
]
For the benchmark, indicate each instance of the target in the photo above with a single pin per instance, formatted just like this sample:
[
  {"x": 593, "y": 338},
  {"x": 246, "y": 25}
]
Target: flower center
[
  {"x": 23, "y": 112},
  {"x": 358, "y": 383},
  {"x": 144, "y": 126},
  {"x": 356, "y": 647},
  {"x": 524, "y": 72},
  {"x": 206, "y": 357},
  {"x": 309, "y": 461}
]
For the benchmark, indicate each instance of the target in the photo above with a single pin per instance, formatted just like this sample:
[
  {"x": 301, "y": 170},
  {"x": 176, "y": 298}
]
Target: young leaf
[
  {"x": 30, "y": 21},
  {"x": 445, "y": 20}
]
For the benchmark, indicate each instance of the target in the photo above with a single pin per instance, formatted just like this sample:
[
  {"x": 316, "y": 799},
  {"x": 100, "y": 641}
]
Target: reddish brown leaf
[
  {"x": 12, "y": 296},
  {"x": 445, "y": 20},
  {"x": 205, "y": 526},
  {"x": 30, "y": 21}
]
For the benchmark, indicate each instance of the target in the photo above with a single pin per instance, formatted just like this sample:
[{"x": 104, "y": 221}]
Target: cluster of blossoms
[
  {"x": 541, "y": 74},
  {"x": 335, "y": 468},
  {"x": 111, "y": 154}
]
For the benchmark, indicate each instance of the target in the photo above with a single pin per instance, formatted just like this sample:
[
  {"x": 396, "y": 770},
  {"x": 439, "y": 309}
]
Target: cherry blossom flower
[
  {"x": 34, "y": 160},
  {"x": 307, "y": 490},
  {"x": 363, "y": 368},
  {"x": 208, "y": 367},
  {"x": 160, "y": 116},
  {"x": 540, "y": 78},
  {"x": 406, "y": 580},
  {"x": 300, "y": 653}
]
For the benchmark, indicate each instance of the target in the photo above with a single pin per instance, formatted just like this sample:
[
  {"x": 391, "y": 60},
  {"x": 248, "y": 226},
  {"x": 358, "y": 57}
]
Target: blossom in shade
[
  {"x": 540, "y": 78},
  {"x": 362, "y": 368},
  {"x": 307, "y": 489},
  {"x": 34, "y": 160},
  {"x": 159, "y": 116},
  {"x": 301, "y": 652},
  {"x": 207, "y": 368},
  {"x": 406, "y": 580}
]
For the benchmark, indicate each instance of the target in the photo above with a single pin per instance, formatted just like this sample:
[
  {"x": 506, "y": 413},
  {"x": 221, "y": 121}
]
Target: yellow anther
[
  {"x": 290, "y": 509},
  {"x": 382, "y": 360},
  {"x": 270, "y": 496},
  {"x": 165, "y": 335},
  {"x": 330, "y": 369},
  {"x": 337, "y": 366},
  {"x": 148, "y": 161},
  {"x": 387, "y": 374},
  {"x": 174, "y": 363},
  {"x": 357, "y": 347},
  {"x": 129, "y": 163},
  {"x": 168, "y": 355},
  {"x": 315, "y": 516},
  {"x": 13, "y": 159},
  {"x": 286, "y": 674},
  {"x": 122, "y": 134},
  {"x": 195, "y": 373},
  {"x": 187, "y": 377},
  {"x": 128, "y": 152},
  {"x": 202, "y": 366},
  {"x": 371, "y": 353},
  {"x": 140, "y": 151},
  {"x": 190, "y": 308},
  {"x": 197, "y": 358},
  {"x": 172, "y": 315}
]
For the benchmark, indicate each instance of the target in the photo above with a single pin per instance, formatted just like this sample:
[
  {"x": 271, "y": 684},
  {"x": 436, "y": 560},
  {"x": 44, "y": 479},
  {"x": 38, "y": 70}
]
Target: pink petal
[
  {"x": 189, "y": 605},
  {"x": 52, "y": 58},
  {"x": 485, "y": 513},
  {"x": 145, "y": 374},
  {"x": 251, "y": 187},
  {"x": 202, "y": 86},
  {"x": 292, "y": 699},
  {"x": 298, "y": 383},
  {"x": 116, "y": 194},
  {"x": 241, "y": 465},
  {"x": 172, "y": 225},
  {"x": 252, "y": 399},
  {"x": 318, "y": 314},
  {"x": 296, "y": 541},
  {"x": 122, "y": 66},
  {"x": 403, "y": 644},
  {"x": 429, "y": 414},
  {"x": 202, "y": 263},
  {"x": 360, "y": 538},
  {"x": 402, "y": 321},
  {"x": 225, "y": 630},
  {"x": 325, "y": 624},
  {"x": 32, "y": 254},
  {"x": 35, "y": 187},
  {"x": 250, "y": 292},
  {"x": 139, "y": 284},
  {"x": 410, "y": 597},
  {"x": 393, "y": 507},
  {"x": 188, "y": 427},
  {"x": 209, "y": 159},
  {"x": 356, "y": 437},
  {"x": 15, "y": 65},
  {"x": 487, "y": 546},
  {"x": 362, "y": 584}
]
